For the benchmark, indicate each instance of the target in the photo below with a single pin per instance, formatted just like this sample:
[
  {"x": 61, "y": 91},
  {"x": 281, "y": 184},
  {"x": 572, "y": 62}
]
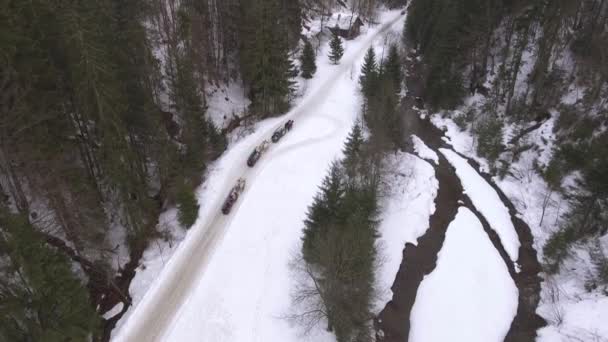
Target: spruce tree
[
  {"x": 390, "y": 118},
  {"x": 392, "y": 68},
  {"x": 307, "y": 61},
  {"x": 42, "y": 298},
  {"x": 369, "y": 74},
  {"x": 291, "y": 71},
  {"x": 354, "y": 141},
  {"x": 323, "y": 211},
  {"x": 337, "y": 50},
  {"x": 352, "y": 149}
]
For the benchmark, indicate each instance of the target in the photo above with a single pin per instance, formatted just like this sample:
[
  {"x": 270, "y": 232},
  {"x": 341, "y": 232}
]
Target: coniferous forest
[
  {"x": 106, "y": 124},
  {"x": 103, "y": 126}
]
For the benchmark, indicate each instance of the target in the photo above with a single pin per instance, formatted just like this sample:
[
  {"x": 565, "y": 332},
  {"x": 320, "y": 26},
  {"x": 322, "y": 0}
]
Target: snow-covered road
[{"x": 228, "y": 265}]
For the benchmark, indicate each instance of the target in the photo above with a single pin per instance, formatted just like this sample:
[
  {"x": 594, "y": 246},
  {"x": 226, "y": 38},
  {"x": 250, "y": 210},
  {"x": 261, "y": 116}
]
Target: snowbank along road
[{"x": 151, "y": 318}]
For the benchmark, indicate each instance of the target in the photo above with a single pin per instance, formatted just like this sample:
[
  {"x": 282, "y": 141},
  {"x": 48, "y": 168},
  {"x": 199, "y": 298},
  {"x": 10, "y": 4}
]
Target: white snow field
[
  {"x": 229, "y": 279},
  {"x": 470, "y": 295},
  {"x": 486, "y": 200}
]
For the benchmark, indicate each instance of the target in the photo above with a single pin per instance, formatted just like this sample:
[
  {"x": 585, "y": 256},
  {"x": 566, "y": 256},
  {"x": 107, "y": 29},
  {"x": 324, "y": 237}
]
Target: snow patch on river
[
  {"x": 470, "y": 295},
  {"x": 486, "y": 200}
]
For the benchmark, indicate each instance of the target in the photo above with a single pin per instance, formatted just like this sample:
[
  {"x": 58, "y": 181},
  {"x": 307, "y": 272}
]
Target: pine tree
[
  {"x": 291, "y": 72},
  {"x": 369, "y": 74},
  {"x": 323, "y": 211},
  {"x": 352, "y": 149},
  {"x": 343, "y": 250},
  {"x": 354, "y": 141},
  {"x": 337, "y": 50},
  {"x": 382, "y": 116},
  {"x": 390, "y": 116},
  {"x": 392, "y": 68},
  {"x": 42, "y": 299},
  {"x": 307, "y": 61}
]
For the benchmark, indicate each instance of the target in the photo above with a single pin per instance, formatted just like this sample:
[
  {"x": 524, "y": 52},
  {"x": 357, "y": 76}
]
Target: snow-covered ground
[
  {"x": 225, "y": 102},
  {"x": 229, "y": 279},
  {"x": 573, "y": 313},
  {"x": 470, "y": 295},
  {"x": 424, "y": 151},
  {"x": 405, "y": 214}
]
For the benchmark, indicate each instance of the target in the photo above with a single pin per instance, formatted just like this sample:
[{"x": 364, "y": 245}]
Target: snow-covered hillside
[{"x": 571, "y": 311}]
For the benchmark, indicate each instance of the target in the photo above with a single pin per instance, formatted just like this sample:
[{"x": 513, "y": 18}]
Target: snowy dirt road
[{"x": 155, "y": 314}]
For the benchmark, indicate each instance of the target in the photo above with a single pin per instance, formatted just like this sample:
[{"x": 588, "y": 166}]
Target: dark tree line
[
  {"x": 380, "y": 83},
  {"x": 339, "y": 255},
  {"x": 87, "y": 145},
  {"x": 102, "y": 125},
  {"x": 462, "y": 40},
  {"x": 266, "y": 64}
]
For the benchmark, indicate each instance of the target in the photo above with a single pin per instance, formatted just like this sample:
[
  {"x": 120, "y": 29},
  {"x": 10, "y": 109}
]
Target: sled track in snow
[{"x": 150, "y": 319}]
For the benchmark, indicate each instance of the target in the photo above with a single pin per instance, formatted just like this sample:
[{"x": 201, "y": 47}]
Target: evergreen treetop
[
  {"x": 352, "y": 149},
  {"x": 307, "y": 60},
  {"x": 369, "y": 73},
  {"x": 324, "y": 209},
  {"x": 266, "y": 66},
  {"x": 392, "y": 68},
  {"x": 337, "y": 50},
  {"x": 354, "y": 141}
]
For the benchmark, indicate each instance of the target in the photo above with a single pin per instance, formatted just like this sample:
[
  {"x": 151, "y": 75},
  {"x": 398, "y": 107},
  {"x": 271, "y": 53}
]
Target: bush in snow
[
  {"x": 556, "y": 249},
  {"x": 187, "y": 206},
  {"x": 489, "y": 138},
  {"x": 587, "y": 217},
  {"x": 599, "y": 273}
]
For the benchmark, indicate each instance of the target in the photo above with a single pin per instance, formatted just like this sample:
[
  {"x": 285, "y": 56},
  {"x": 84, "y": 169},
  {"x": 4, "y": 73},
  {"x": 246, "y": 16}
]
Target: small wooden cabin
[{"x": 353, "y": 32}]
